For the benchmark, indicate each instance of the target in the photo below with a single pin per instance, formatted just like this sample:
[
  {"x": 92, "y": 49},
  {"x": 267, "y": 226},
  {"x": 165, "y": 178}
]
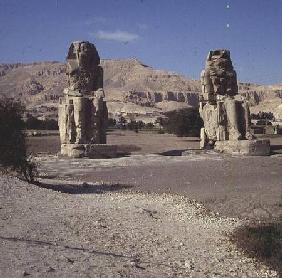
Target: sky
[{"x": 174, "y": 35}]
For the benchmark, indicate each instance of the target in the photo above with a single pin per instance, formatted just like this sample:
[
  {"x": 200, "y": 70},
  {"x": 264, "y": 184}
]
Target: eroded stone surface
[
  {"x": 82, "y": 111},
  {"x": 244, "y": 147},
  {"x": 225, "y": 114},
  {"x": 218, "y": 77},
  {"x": 84, "y": 73}
]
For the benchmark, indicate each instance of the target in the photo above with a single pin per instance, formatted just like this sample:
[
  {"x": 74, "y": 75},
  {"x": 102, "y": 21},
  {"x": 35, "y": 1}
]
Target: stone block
[
  {"x": 96, "y": 151},
  {"x": 244, "y": 147}
]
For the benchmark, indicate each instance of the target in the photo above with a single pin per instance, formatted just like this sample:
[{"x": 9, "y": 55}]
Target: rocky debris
[
  {"x": 48, "y": 73},
  {"x": 4, "y": 68},
  {"x": 32, "y": 87},
  {"x": 258, "y": 95},
  {"x": 44, "y": 232},
  {"x": 150, "y": 99}
]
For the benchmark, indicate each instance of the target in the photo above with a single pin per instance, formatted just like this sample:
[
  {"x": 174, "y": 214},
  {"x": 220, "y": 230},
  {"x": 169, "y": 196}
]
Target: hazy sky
[{"x": 175, "y": 35}]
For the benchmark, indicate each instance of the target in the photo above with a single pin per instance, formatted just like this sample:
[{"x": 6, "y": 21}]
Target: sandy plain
[{"x": 149, "y": 213}]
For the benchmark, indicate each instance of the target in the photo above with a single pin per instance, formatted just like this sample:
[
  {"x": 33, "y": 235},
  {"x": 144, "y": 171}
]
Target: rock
[
  {"x": 51, "y": 269},
  {"x": 32, "y": 87},
  {"x": 244, "y": 147}
]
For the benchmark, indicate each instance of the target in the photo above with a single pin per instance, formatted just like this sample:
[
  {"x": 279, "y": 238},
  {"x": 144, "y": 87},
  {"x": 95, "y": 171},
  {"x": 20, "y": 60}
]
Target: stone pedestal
[
  {"x": 89, "y": 150},
  {"x": 244, "y": 147}
]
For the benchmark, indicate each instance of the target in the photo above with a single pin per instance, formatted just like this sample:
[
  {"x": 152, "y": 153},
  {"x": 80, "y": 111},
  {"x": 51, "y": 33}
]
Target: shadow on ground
[
  {"x": 84, "y": 188},
  {"x": 55, "y": 245},
  {"x": 191, "y": 140},
  {"x": 126, "y": 150},
  {"x": 262, "y": 241},
  {"x": 172, "y": 153},
  {"x": 276, "y": 149}
]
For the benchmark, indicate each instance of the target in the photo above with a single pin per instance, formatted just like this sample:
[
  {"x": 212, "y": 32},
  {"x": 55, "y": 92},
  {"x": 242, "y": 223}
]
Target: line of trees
[
  {"x": 263, "y": 116},
  {"x": 123, "y": 123},
  {"x": 34, "y": 123},
  {"x": 184, "y": 122}
]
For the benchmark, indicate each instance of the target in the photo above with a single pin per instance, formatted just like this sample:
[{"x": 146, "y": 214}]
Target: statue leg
[
  {"x": 203, "y": 138},
  {"x": 232, "y": 117},
  {"x": 247, "y": 119},
  {"x": 79, "y": 120}
]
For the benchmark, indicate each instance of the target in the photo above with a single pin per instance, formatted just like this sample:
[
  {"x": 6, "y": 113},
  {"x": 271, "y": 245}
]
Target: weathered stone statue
[
  {"x": 225, "y": 114},
  {"x": 83, "y": 112}
]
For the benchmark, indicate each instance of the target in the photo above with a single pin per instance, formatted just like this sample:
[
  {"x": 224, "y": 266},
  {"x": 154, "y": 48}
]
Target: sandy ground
[
  {"x": 151, "y": 213},
  {"x": 246, "y": 187},
  {"x": 144, "y": 142},
  {"x": 108, "y": 233}
]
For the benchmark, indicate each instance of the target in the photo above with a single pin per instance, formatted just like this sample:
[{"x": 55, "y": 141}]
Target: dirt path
[
  {"x": 104, "y": 233},
  {"x": 247, "y": 187}
]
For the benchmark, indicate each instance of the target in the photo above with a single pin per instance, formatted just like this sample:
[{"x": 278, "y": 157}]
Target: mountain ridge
[{"x": 129, "y": 85}]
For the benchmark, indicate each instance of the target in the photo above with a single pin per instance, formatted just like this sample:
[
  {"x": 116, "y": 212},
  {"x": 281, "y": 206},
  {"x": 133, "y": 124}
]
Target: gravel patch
[{"x": 45, "y": 233}]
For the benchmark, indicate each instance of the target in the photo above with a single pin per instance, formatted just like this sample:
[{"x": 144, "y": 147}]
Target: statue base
[
  {"x": 89, "y": 150},
  {"x": 244, "y": 147}
]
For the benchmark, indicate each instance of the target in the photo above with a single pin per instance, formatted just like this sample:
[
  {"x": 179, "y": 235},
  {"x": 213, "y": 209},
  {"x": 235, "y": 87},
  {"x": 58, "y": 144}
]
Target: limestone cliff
[{"x": 128, "y": 85}]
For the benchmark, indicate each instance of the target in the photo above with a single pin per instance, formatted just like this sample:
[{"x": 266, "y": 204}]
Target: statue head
[
  {"x": 219, "y": 76},
  {"x": 83, "y": 66},
  {"x": 83, "y": 54}
]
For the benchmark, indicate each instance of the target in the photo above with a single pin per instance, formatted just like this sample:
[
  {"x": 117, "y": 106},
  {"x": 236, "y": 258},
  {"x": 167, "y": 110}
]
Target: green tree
[
  {"x": 34, "y": 123},
  {"x": 184, "y": 122},
  {"x": 50, "y": 124},
  {"x": 12, "y": 140}
]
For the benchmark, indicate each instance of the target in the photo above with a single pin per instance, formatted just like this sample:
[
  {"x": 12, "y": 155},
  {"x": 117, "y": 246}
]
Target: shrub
[
  {"x": 111, "y": 122},
  {"x": 184, "y": 122},
  {"x": 262, "y": 240},
  {"x": 149, "y": 125},
  {"x": 133, "y": 125},
  {"x": 12, "y": 140},
  {"x": 262, "y": 116},
  {"x": 263, "y": 122},
  {"x": 50, "y": 124}
]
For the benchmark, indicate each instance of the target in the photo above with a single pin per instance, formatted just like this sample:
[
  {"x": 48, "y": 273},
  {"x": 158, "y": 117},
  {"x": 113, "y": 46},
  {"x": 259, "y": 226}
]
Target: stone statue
[
  {"x": 83, "y": 111},
  {"x": 83, "y": 70},
  {"x": 225, "y": 114},
  {"x": 218, "y": 77}
]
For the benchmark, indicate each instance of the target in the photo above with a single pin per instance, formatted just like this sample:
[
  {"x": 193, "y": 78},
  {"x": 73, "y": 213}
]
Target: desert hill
[{"x": 130, "y": 87}]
